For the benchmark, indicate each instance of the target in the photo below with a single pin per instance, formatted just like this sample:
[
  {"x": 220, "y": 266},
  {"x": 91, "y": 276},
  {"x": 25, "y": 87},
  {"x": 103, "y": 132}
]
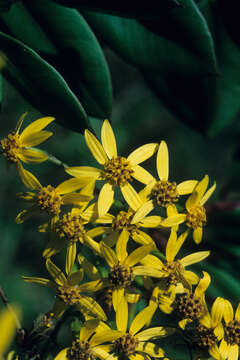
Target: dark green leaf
[
  {"x": 6, "y": 4},
  {"x": 42, "y": 84},
  {"x": 65, "y": 40},
  {"x": 150, "y": 9}
]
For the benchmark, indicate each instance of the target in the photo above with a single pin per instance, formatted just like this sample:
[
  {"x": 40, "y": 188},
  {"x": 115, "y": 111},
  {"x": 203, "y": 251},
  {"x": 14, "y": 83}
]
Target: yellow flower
[
  {"x": 123, "y": 268},
  {"x": 8, "y": 324},
  {"x": 68, "y": 292},
  {"x": 229, "y": 347},
  {"x": 92, "y": 342},
  {"x": 117, "y": 170},
  {"x": 16, "y": 147},
  {"x": 195, "y": 217},
  {"x": 135, "y": 344},
  {"x": 210, "y": 329},
  {"x": 48, "y": 199}
]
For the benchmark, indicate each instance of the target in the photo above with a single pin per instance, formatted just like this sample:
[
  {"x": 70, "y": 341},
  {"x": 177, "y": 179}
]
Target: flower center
[
  {"x": 70, "y": 295},
  {"x": 49, "y": 200},
  {"x": 70, "y": 227},
  {"x": 118, "y": 171},
  {"x": 121, "y": 276},
  {"x": 196, "y": 217},
  {"x": 80, "y": 350},
  {"x": 11, "y": 146},
  {"x": 122, "y": 221},
  {"x": 205, "y": 336},
  {"x": 174, "y": 271},
  {"x": 190, "y": 307},
  {"x": 164, "y": 193},
  {"x": 232, "y": 332},
  {"x": 126, "y": 345}
]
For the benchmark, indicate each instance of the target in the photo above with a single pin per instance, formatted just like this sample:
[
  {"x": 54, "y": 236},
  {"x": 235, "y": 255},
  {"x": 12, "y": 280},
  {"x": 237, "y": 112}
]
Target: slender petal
[
  {"x": 171, "y": 250},
  {"x": 36, "y": 138},
  {"x": 191, "y": 277},
  {"x": 151, "y": 221},
  {"x": 148, "y": 271},
  {"x": 122, "y": 315},
  {"x": 98, "y": 231},
  {"x": 75, "y": 277},
  {"x": 56, "y": 273},
  {"x": 95, "y": 147},
  {"x": 62, "y": 355},
  {"x": 233, "y": 352},
  {"x": 117, "y": 295},
  {"x": 228, "y": 312},
  {"x": 201, "y": 187},
  {"x": 88, "y": 328},
  {"x": 194, "y": 258},
  {"x": 154, "y": 333},
  {"x": 40, "y": 281},
  {"x": 151, "y": 349},
  {"x": 202, "y": 285},
  {"x": 131, "y": 196},
  {"x": 70, "y": 257},
  {"x": 141, "y": 174},
  {"x": 108, "y": 140},
  {"x": 121, "y": 246},
  {"x": 142, "y": 153},
  {"x": 151, "y": 260},
  {"x": 90, "y": 270},
  {"x": 138, "y": 254},
  {"x": 29, "y": 180},
  {"x": 105, "y": 336},
  {"x": 215, "y": 353},
  {"x": 143, "y": 238},
  {"x": 173, "y": 220},
  {"x": 162, "y": 161},
  {"x": 19, "y": 123},
  {"x": 143, "y": 211},
  {"x": 27, "y": 214},
  {"x": 102, "y": 354},
  {"x": 224, "y": 349},
  {"x": 92, "y": 244},
  {"x": 31, "y": 156},
  {"x": 35, "y": 126},
  {"x": 86, "y": 172},
  {"x": 186, "y": 187},
  {"x": 217, "y": 311},
  {"x": 70, "y": 185},
  {"x": 182, "y": 324},
  {"x": 108, "y": 254},
  {"x": 75, "y": 199},
  {"x": 132, "y": 298},
  {"x": 146, "y": 191},
  {"x": 237, "y": 313},
  {"x": 90, "y": 307},
  {"x": 105, "y": 199},
  {"x": 140, "y": 320},
  {"x": 197, "y": 235},
  {"x": 207, "y": 195},
  {"x": 93, "y": 286}
]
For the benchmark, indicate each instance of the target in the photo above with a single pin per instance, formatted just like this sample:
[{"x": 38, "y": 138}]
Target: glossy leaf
[{"x": 41, "y": 84}]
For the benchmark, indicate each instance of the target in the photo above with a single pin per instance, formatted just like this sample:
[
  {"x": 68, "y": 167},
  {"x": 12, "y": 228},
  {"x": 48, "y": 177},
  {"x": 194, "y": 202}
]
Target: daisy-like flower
[
  {"x": 163, "y": 192},
  {"x": 229, "y": 347},
  {"x": 135, "y": 344},
  {"x": 117, "y": 170},
  {"x": 123, "y": 269},
  {"x": 91, "y": 343},
  {"x": 68, "y": 292},
  {"x": 16, "y": 147},
  {"x": 48, "y": 199},
  {"x": 195, "y": 217},
  {"x": 191, "y": 306},
  {"x": 8, "y": 326},
  {"x": 210, "y": 329}
]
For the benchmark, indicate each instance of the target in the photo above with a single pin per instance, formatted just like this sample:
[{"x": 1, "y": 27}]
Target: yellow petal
[
  {"x": 182, "y": 324},
  {"x": 224, "y": 349},
  {"x": 143, "y": 211},
  {"x": 56, "y": 273},
  {"x": 233, "y": 352},
  {"x": 31, "y": 156},
  {"x": 132, "y": 298},
  {"x": 90, "y": 270},
  {"x": 215, "y": 353},
  {"x": 151, "y": 349},
  {"x": 186, "y": 187},
  {"x": 138, "y": 254},
  {"x": 151, "y": 221},
  {"x": 174, "y": 244},
  {"x": 19, "y": 123},
  {"x": 201, "y": 187},
  {"x": 141, "y": 174},
  {"x": 237, "y": 313},
  {"x": 8, "y": 325},
  {"x": 217, "y": 311},
  {"x": 194, "y": 258},
  {"x": 76, "y": 277},
  {"x": 92, "y": 286},
  {"x": 92, "y": 244},
  {"x": 36, "y": 138},
  {"x": 75, "y": 199},
  {"x": 86, "y": 172},
  {"x": 40, "y": 281},
  {"x": 143, "y": 238},
  {"x": 142, "y": 153},
  {"x": 62, "y": 355},
  {"x": 35, "y": 126},
  {"x": 108, "y": 140},
  {"x": 105, "y": 199},
  {"x": 192, "y": 200},
  {"x": 191, "y": 277},
  {"x": 99, "y": 231},
  {"x": 108, "y": 254},
  {"x": 95, "y": 147},
  {"x": 228, "y": 311},
  {"x": 121, "y": 246},
  {"x": 122, "y": 315},
  {"x": 205, "y": 320},
  {"x": 148, "y": 271},
  {"x": 70, "y": 257},
  {"x": 70, "y": 185},
  {"x": 162, "y": 161},
  {"x": 131, "y": 196},
  {"x": 197, "y": 235},
  {"x": 28, "y": 178},
  {"x": 27, "y": 214},
  {"x": 151, "y": 260},
  {"x": 140, "y": 320},
  {"x": 90, "y": 307},
  {"x": 146, "y": 191},
  {"x": 173, "y": 220},
  {"x": 207, "y": 195},
  {"x": 202, "y": 285},
  {"x": 88, "y": 328},
  {"x": 117, "y": 295},
  {"x": 102, "y": 354},
  {"x": 153, "y": 333},
  {"x": 104, "y": 337}
]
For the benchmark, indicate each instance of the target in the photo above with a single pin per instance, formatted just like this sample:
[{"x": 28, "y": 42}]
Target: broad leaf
[{"x": 41, "y": 83}]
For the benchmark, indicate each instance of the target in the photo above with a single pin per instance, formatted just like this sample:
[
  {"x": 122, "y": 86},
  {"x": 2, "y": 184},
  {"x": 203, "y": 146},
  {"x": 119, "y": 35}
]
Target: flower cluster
[{"x": 123, "y": 265}]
